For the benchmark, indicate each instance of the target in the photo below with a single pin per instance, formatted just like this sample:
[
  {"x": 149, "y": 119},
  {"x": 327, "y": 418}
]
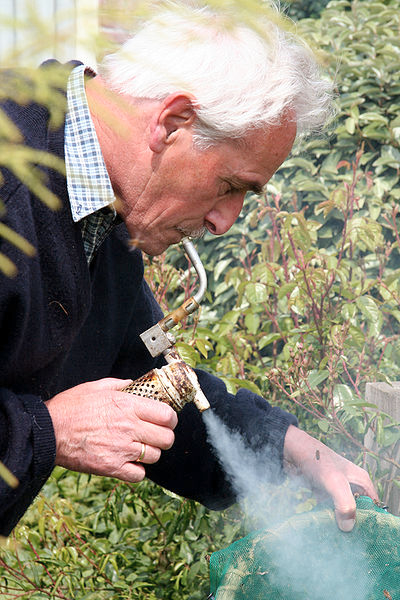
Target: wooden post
[{"x": 387, "y": 399}]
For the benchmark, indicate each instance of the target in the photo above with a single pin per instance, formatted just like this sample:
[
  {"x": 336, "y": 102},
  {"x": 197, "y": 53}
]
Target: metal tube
[
  {"x": 157, "y": 338},
  {"x": 198, "y": 265}
]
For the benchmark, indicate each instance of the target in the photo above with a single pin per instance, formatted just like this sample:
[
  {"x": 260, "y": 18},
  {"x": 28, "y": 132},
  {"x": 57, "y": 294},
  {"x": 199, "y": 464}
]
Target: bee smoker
[{"x": 176, "y": 383}]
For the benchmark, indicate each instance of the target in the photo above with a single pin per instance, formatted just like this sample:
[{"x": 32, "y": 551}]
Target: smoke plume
[{"x": 313, "y": 560}]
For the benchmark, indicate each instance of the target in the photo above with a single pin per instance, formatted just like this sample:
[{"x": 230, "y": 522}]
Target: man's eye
[{"x": 228, "y": 189}]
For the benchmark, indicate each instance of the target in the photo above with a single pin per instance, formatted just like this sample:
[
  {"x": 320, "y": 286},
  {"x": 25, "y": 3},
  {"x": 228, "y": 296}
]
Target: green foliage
[
  {"x": 96, "y": 539},
  {"x": 302, "y": 9},
  {"x": 361, "y": 46}
]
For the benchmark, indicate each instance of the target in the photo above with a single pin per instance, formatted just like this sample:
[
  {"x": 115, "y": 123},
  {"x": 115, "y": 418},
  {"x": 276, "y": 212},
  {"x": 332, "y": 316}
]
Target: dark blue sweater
[{"x": 63, "y": 323}]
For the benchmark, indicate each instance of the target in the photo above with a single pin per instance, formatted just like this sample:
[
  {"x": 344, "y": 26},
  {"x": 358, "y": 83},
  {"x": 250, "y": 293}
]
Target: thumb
[{"x": 346, "y": 517}]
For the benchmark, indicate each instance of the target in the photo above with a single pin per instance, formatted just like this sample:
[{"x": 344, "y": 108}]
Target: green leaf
[
  {"x": 285, "y": 289},
  {"x": 375, "y": 117},
  {"x": 8, "y": 477},
  {"x": 17, "y": 240},
  {"x": 371, "y": 312},
  {"x": 245, "y": 383},
  {"x": 221, "y": 266},
  {"x": 256, "y": 293},
  {"x": 342, "y": 394},
  {"x": 316, "y": 377},
  {"x": 7, "y": 266},
  {"x": 350, "y": 125},
  {"x": 323, "y": 425},
  {"x": 252, "y": 322},
  {"x": 304, "y": 164},
  {"x": 268, "y": 339},
  {"x": 202, "y": 347},
  {"x": 187, "y": 353}
]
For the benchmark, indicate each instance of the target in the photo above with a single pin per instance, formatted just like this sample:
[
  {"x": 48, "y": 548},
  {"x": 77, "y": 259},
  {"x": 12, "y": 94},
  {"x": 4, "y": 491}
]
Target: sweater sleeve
[
  {"x": 27, "y": 448},
  {"x": 191, "y": 467}
]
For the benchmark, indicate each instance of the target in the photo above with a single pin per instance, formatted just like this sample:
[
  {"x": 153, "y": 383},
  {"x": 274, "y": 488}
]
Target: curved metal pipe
[
  {"x": 158, "y": 339},
  {"x": 198, "y": 265}
]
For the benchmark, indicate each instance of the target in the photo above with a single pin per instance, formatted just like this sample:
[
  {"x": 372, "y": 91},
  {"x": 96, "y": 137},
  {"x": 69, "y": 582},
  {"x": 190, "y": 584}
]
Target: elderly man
[{"x": 163, "y": 143}]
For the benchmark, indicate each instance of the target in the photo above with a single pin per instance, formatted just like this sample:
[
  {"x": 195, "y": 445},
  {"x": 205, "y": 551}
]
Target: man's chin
[
  {"x": 152, "y": 249},
  {"x": 157, "y": 247}
]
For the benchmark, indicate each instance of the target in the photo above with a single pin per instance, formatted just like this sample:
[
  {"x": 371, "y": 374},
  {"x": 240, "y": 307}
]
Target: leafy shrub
[
  {"x": 360, "y": 41},
  {"x": 97, "y": 539},
  {"x": 301, "y": 9}
]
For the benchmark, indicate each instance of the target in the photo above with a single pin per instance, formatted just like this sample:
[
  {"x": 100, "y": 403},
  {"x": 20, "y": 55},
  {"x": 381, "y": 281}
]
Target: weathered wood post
[{"x": 387, "y": 399}]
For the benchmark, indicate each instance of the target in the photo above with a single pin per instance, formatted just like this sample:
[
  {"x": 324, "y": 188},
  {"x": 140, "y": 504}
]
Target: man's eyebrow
[{"x": 248, "y": 184}]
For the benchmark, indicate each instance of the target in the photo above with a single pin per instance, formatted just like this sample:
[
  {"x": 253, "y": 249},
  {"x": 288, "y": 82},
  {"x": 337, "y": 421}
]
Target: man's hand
[
  {"x": 328, "y": 472},
  {"x": 101, "y": 430}
]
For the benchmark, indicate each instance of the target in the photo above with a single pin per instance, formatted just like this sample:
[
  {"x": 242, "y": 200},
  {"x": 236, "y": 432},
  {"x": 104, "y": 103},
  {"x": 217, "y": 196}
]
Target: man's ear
[{"x": 176, "y": 112}]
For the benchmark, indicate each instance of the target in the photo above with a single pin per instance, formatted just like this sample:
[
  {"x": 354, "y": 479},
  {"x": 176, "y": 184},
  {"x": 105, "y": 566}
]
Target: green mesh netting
[{"x": 308, "y": 558}]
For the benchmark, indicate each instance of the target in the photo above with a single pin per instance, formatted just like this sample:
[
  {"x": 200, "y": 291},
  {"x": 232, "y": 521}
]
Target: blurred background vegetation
[{"x": 302, "y": 307}]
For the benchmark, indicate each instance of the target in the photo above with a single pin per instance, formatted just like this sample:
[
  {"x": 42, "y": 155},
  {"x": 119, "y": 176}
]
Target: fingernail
[{"x": 347, "y": 524}]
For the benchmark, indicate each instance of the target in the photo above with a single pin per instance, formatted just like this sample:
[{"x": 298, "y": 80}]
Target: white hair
[{"x": 242, "y": 77}]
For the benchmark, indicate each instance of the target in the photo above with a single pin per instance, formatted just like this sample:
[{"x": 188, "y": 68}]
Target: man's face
[{"x": 187, "y": 190}]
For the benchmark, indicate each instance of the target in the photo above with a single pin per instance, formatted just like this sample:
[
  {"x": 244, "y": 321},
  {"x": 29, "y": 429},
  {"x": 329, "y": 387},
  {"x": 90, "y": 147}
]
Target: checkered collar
[{"x": 89, "y": 186}]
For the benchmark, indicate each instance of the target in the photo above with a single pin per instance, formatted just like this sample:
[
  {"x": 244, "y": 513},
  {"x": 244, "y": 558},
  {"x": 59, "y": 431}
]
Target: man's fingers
[
  {"x": 105, "y": 430},
  {"x": 329, "y": 473},
  {"x": 146, "y": 454},
  {"x": 338, "y": 487},
  {"x": 107, "y": 383},
  {"x": 155, "y": 435},
  {"x": 149, "y": 421},
  {"x": 342, "y": 489},
  {"x": 363, "y": 485},
  {"x": 130, "y": 472},
  {"x": 152, "y": 411},
  {"x": 345, "y": 513},
  {"x": 134, "y": 471},
  {"x": 345, "y": 523}
]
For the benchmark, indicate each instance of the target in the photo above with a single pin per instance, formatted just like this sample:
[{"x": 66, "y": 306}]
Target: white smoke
[{"x": 307, "y": 564}]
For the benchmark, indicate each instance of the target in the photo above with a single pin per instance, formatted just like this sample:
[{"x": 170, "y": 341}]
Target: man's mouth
[{"x": 192, "y": 233}]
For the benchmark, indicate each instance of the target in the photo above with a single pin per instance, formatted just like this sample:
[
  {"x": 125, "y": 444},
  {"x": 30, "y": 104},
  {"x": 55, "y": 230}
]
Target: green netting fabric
[{"x": 308, "y": 558}]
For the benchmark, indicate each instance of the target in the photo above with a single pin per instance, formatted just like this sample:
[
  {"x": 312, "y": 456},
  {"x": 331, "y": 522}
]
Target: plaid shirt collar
[{"x": 89, "y": 187}]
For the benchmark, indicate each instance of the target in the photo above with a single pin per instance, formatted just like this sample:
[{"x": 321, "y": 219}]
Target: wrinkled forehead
[{"x": 262, "y": 151}]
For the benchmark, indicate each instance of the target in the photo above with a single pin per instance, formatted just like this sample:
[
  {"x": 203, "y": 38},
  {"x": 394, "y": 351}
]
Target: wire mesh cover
[{"x": 309, "y": 558}]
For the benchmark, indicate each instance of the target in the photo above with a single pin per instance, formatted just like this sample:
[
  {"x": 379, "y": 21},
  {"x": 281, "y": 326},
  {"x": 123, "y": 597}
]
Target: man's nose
[{"x": 225, "y": 212}]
